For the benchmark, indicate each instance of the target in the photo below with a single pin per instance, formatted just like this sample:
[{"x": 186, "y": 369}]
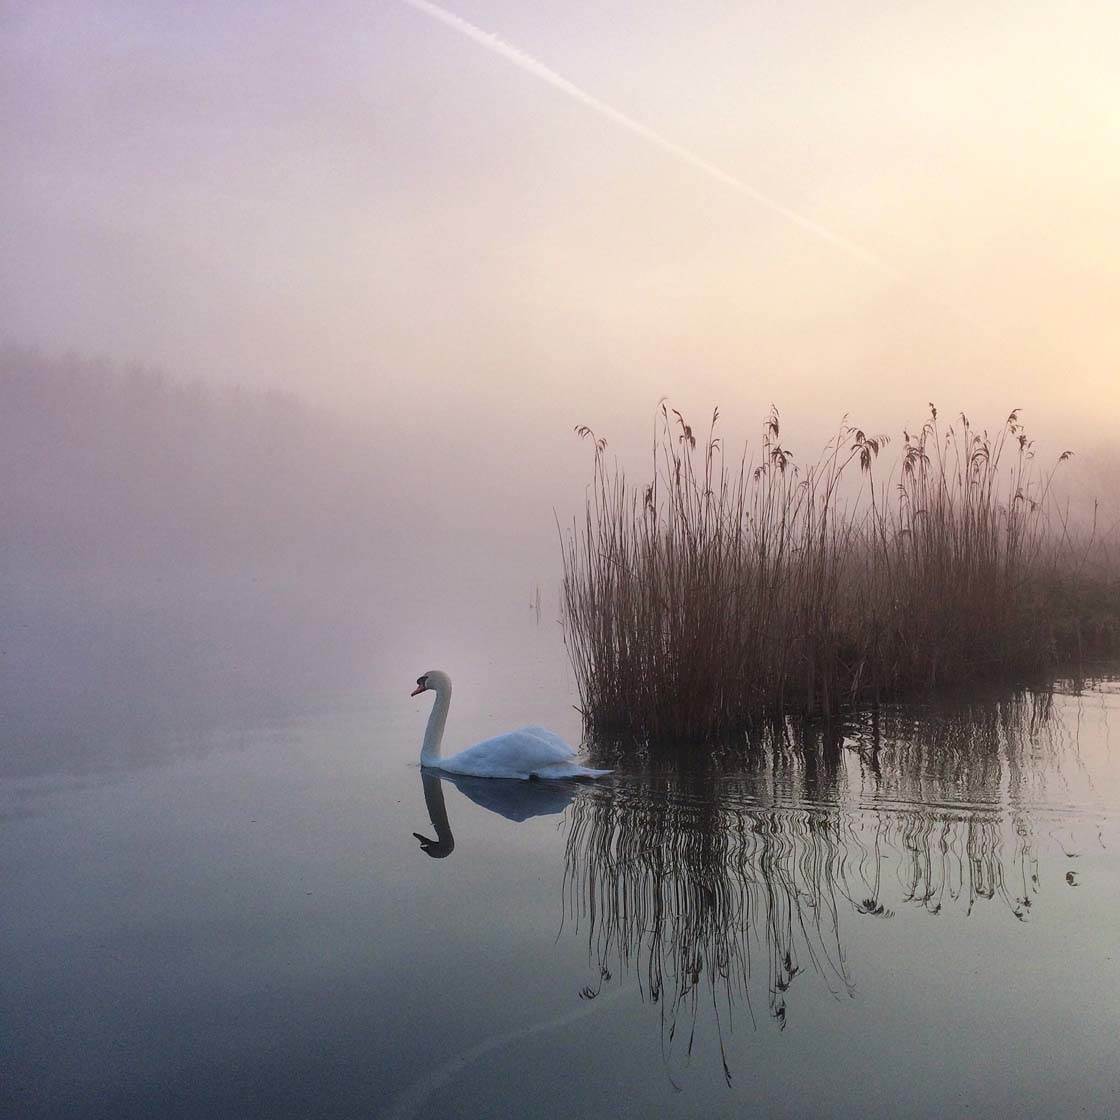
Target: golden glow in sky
[{"x": 569, "y": 211}]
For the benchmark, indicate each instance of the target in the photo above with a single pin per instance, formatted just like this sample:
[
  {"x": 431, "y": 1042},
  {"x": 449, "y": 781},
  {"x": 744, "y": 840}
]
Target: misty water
[{"x": 226, "y": 912}]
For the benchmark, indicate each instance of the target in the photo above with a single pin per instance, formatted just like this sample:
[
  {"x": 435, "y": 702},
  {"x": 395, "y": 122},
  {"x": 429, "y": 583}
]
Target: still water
[{"x": 912, "y": 915}]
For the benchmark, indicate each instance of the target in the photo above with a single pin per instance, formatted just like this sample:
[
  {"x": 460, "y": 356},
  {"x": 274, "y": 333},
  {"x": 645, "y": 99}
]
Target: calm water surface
[{"x": 912, "y": 916}]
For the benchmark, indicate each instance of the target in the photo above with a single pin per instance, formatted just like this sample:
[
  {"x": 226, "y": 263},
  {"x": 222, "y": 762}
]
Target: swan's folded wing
[
  {"x": 516, "y": 754},
  {"x": 560, "y": 770},
  {"x": 565, "y": 766},
  {"x": 550, "y": 740}
]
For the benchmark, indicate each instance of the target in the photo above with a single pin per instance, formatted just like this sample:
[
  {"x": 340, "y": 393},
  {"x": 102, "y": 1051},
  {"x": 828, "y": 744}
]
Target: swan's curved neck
[{"x": 433, "y": 736}]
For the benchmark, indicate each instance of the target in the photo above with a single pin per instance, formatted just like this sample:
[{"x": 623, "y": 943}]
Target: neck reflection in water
[{"x": 720, "y": 884}]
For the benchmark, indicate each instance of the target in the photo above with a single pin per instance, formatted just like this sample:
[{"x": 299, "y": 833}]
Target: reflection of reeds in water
[
  {"x": 716, "y": 889},
  {"x": 940, "y": 857},
  {"x": 676, "y": 891},
  {"x": 979, "y": 749},
  {"x": 960, "y": 782}
]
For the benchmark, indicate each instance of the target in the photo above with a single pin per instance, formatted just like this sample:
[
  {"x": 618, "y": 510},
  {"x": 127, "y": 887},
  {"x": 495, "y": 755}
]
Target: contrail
[{"x": 529, "y": 64}]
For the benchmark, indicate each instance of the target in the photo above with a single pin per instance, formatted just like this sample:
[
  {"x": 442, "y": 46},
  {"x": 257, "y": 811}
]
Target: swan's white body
[{"x": 529, "y": 752}]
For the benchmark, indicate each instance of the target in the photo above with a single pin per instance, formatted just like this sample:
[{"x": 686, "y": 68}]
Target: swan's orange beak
[{"x": 418, "y": 689}]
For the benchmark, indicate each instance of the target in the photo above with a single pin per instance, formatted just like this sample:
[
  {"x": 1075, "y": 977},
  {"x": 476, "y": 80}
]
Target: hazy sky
[{"x": 363, "y": 204}]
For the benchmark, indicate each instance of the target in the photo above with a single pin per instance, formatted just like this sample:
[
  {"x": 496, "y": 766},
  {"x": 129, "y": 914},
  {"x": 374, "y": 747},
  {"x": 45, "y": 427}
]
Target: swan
[{"x": 528, "y": 753}]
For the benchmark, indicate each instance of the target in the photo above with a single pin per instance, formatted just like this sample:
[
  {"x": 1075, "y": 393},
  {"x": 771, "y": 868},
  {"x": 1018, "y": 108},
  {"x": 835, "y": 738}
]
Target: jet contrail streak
[{"x": 529, "y": 64}]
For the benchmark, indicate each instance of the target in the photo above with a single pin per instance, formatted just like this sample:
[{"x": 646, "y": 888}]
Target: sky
[{"x": 478, "y": 225}]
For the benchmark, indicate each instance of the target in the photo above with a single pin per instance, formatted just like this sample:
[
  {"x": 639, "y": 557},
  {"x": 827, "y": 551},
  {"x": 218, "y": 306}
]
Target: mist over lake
[{"x": 721, "y": 398}]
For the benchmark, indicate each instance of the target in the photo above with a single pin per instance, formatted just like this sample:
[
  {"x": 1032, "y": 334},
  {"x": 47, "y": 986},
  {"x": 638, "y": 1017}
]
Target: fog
[
  {"x": 303, "y": 303},
  {"x": 356, "y": 202},
  {"x": 176, "y": 554}
]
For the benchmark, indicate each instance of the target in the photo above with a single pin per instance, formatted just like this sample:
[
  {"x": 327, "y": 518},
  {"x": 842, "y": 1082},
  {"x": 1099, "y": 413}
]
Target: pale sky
[{"x": 360, "y": 203}]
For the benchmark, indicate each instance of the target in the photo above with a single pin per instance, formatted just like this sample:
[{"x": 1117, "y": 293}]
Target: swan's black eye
[{"x": 421, "y": 681}]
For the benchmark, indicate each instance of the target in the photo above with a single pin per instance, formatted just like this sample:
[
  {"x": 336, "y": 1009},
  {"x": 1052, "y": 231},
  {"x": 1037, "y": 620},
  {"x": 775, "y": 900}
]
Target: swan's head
[
  {"x": 437, "y": 849},
  {"x": 433, "y": 680}
]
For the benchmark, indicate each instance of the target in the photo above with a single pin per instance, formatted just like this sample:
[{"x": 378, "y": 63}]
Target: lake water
[{"x": 912, "y": 915}]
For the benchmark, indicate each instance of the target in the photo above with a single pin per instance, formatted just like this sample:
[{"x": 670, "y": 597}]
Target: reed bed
[{"x": 720, "y": 593}]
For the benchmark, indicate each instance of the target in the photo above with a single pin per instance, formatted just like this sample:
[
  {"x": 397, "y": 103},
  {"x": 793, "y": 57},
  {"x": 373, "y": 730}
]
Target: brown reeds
[{"x": 720, "y": 593}]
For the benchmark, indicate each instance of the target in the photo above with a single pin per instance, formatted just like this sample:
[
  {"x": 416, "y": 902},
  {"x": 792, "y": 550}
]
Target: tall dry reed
[{"x": 722, "y": 592}]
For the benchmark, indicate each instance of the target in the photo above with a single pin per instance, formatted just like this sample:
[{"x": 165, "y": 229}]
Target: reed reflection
[
  {"x": 720, "y": 886},
  {"x": 955, "y": 790},
  {"x": 699, "y": 898}
]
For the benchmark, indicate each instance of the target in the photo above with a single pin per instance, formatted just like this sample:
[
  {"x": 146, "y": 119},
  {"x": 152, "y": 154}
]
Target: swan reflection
[
  {"x": 509, "y": 798},
  {"x": 515, "y": 800},
  {"x": 726, "y": 885},
  {"x": 444, "y": 843}
]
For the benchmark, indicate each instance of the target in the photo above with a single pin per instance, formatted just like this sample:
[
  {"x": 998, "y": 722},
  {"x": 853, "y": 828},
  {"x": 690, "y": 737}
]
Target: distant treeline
[
  {"x": 105, "y": 467},
  {"x": 174, "y": 555}
]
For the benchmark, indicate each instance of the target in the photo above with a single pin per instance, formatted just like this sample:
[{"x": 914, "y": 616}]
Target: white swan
[{"x": 529, "y": 752}]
